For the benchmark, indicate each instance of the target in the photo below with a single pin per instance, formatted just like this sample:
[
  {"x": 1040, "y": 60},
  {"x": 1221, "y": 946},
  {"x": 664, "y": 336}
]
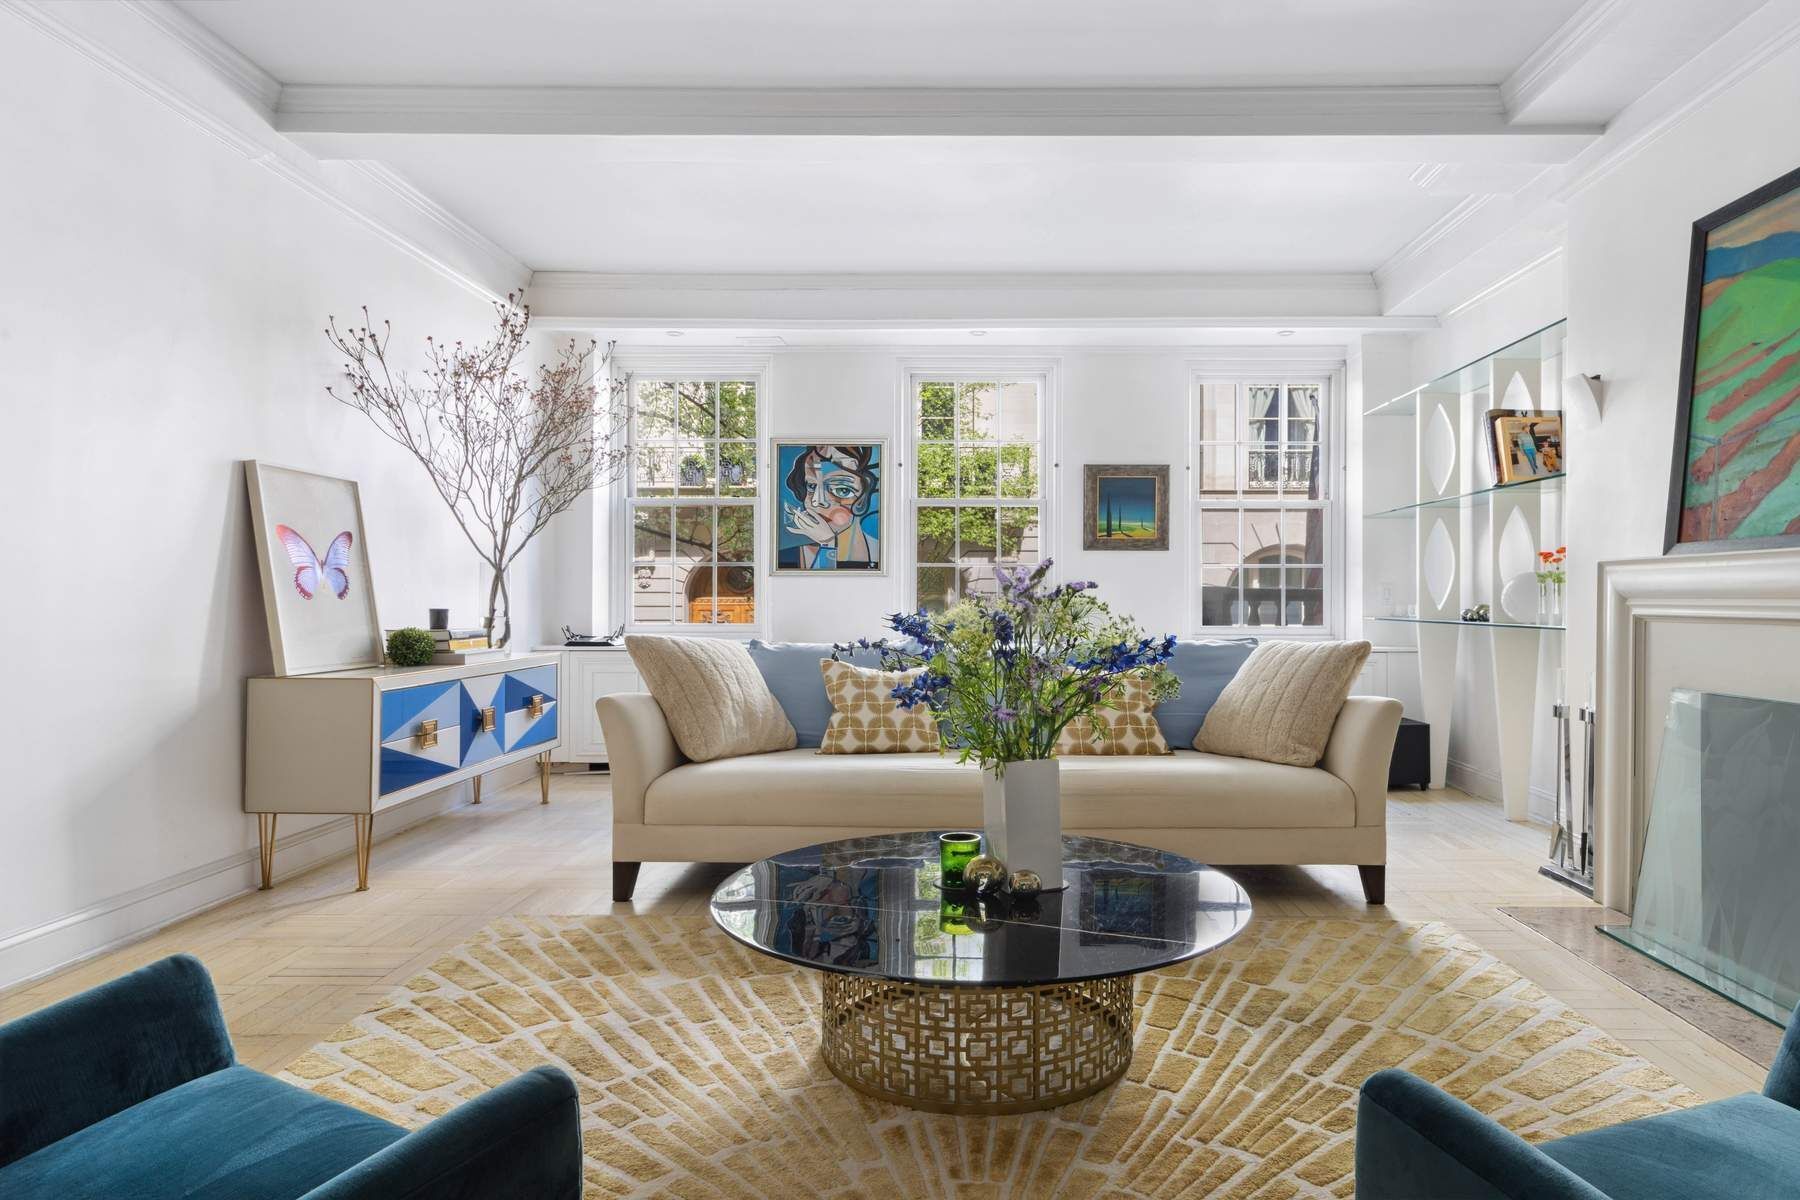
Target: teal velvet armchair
[
  {"x": 1415, "y": 1142},
  {"x": 132, "y": 1089}
]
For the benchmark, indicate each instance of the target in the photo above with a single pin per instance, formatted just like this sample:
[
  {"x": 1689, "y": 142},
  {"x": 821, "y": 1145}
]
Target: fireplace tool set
[{"x": 1572, "y": 836}]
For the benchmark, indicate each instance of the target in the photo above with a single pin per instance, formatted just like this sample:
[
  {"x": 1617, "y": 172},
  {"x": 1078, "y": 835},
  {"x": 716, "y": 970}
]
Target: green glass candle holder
[{"x": 954, "y": 852}]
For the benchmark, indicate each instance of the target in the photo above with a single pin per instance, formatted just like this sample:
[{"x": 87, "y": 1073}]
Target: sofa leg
[
  {"x": 624, "y": 880},
  {"x": 1374, "y": 881}
]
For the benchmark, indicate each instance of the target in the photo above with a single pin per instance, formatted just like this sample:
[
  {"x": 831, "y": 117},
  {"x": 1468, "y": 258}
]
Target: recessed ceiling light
[
  {"x": 1284, "y": 333},
  {"x": 676, "y": 333},
  {"x": 977, "y": 333}
]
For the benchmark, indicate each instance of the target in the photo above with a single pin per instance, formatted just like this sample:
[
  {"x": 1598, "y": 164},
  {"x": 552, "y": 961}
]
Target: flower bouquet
[
  {"x": 1005, "y": 675},
  {"x": 1550, "y": 579}
]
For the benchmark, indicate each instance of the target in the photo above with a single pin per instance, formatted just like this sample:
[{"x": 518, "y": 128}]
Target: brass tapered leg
[
  {"x": 265, "y": 836},
  {"x": 477, "y": 782},
  {"x": 544, "y": 777},
  {"x": 365, "y": 834}
]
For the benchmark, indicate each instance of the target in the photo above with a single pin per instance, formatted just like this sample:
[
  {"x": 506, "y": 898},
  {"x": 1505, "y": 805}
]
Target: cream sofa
[{"x": 1212, "y": 808}]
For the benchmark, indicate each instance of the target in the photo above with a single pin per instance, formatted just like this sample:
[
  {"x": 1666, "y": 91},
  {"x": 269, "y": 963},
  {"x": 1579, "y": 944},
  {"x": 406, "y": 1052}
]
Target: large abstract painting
[
  {"x": 829, "y": 502},
  {"x": 1737, "y": 439}
]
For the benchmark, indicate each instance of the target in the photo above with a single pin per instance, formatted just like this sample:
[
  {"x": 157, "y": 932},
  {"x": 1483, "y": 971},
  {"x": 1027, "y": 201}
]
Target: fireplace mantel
[{"x": 1714, "y": 622}]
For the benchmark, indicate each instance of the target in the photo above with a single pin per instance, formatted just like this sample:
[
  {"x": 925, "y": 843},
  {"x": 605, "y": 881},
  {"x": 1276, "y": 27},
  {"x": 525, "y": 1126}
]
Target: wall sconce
[{"x": 1584, "y": 392}]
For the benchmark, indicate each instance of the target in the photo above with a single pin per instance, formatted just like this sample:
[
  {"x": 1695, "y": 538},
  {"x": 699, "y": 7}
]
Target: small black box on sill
[{"x": 1411, "y": 765}]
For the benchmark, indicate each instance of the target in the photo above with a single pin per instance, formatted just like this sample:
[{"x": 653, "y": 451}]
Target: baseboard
[
  {"x": 30, "y": 954},
  {"x": 1540, "y": 805}
]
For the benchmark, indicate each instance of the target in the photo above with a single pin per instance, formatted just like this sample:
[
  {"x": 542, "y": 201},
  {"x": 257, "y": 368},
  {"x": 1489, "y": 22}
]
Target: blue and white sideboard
[{"x": 360, "y": 741}]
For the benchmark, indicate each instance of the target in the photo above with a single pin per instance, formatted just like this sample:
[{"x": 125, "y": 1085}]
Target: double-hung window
[
  {"x": 977, "y": 481},
  {"x": 1264, "y": 501},
  {"x": 691, "y": 501}
]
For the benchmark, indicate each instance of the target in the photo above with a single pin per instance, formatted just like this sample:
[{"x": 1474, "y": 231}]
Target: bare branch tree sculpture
[{"x": 506, "y": 451}]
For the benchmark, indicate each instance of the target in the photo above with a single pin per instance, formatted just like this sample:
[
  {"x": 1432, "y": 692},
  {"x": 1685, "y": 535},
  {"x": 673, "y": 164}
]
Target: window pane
[
  {"x": 1019, "y": 537},
  {"x": 650, "y": 533},
  {"x": 697, "y": 410},
  {"x": 654, "y": 470},
  {"x": 737, "y": 410},
  {"x": 737, "y": 468},
  {"x": 1263, "y": 468},
  {"x": 1262, "y": 533},
  {"x": 655, "y": 409},
  {"x": 937, "y": 588},
  {"x": 737, "y": 533},
  {"x": 978, "y": 470},
  {"x": 936, "y": 534},
  {"x": 1305, "y": 596},
  {"x": 1303, "y": 477},
  {"x": 937, "y": 411},
  {"x": 1303, "y": 535},
  {"x": 1019, "y": 411},
  {"x": 695, "y": 470},
  {"x": 937, "y": 469},
  {"x": 976, "y": 407},
  {"x": 650, "y": 592},
  {"x": 1219, "y": 536},
  {"x": 1219, "y": 601},
  {"x": 732, "y": 599},
  {"x": 976, "y": 528},
  {"x": 691, "y": 585},
  {"x": 1218, "y": 469},
  {"x": 1218, "y": 412},
  {"x": 1018, "y": 471},
  {"x": 977, "y": 581},
  {"x": 694, "y": 532}
]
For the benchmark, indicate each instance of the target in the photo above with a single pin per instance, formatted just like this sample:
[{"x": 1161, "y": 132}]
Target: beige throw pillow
[
  {"x": 865, "y": 717},
  {"x": 1282, "y": 703},
  {"x": 712, "y": 695},
  {"x": 1128, "y": 727}
]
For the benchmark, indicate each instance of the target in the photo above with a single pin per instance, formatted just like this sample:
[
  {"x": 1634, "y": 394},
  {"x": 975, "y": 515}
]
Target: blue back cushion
[
  {"x": 791, "y": 669},
  {"x": 1204, "y": 667}
]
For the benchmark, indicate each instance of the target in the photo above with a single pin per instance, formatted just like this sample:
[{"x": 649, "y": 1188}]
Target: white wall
[{"x": 161, "y": 307}]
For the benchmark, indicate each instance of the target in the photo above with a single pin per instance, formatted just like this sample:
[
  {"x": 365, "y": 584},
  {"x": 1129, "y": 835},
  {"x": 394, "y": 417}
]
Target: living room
[{"x": 964, "y": 600}]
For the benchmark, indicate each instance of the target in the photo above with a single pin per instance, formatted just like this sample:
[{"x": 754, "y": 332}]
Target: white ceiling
[{"x": 797, "y": 43}]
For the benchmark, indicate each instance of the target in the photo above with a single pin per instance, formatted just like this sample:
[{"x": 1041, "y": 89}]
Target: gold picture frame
[{"x": 1524, "y": 444}]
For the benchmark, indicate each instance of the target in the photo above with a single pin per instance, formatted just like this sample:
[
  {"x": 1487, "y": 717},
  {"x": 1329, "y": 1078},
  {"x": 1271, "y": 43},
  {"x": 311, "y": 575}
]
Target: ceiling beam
[{"x": 966, "y": 112}]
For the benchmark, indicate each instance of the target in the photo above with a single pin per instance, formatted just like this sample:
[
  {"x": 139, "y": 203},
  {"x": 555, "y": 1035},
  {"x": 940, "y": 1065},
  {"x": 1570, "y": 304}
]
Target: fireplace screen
[{"x": 1716, "y": 897}]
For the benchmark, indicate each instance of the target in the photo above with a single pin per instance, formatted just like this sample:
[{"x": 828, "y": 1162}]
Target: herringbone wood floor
[{"x": 294, "y": 963}]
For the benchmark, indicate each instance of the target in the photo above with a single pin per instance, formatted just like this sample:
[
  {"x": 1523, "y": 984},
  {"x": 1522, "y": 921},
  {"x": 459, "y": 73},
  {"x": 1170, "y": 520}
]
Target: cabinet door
[{"x": 601, "y": 675}]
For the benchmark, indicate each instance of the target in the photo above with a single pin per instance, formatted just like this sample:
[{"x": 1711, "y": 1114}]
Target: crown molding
[
  {"x": 258, "y": 88},
  {"x": 1560, "y": 52}
]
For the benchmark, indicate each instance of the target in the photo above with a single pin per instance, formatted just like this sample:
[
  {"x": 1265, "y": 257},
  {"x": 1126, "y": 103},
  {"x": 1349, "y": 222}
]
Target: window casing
[
  {"x": 1266, "y": 502},
  {"x": 977, "y": 483},
  {"x": 692, "y": 506}
]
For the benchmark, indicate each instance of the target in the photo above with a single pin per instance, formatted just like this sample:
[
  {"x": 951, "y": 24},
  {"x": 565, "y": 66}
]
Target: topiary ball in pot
[{"x": 410, "y": 647}]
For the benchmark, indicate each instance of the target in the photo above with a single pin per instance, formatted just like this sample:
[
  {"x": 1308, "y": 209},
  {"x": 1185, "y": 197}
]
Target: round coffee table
[{"x": 939, "y": 1001}]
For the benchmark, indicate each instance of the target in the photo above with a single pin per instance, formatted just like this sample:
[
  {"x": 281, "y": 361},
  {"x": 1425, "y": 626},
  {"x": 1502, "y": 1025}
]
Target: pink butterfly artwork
[{"x": 309, "y": 569}]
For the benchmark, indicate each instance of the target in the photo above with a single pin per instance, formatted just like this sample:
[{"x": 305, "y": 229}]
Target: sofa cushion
[
  {"x": 231, "y": 1134},
  {"x": 865, "y": 717},
  {"x": 712, "y": 695},
  {"x": 1127, "y": 726},
  {"x": 1744, "y": 1148},
  {"x": 1282, "y": 703},
  {"x": 1183, "y": 790},
  {"x": 1204, "y": 666},
  {"x": 791, "y": 669}
]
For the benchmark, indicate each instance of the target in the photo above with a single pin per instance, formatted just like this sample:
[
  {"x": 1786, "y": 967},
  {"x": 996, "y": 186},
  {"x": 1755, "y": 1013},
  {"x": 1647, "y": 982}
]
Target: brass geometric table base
[{"x": 976, "y": 1050}]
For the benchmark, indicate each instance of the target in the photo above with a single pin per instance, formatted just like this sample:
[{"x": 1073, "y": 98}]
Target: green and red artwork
[{"x": 1737, "y": 448}]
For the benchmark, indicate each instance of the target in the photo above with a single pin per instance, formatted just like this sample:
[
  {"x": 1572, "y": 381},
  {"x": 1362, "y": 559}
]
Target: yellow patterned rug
[{"x": 700, "y": 1075}]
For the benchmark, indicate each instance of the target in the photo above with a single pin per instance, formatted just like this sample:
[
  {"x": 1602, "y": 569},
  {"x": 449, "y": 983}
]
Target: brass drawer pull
[
  {"x": 535, "y": 705},
  {"x": 428, "y": 734},
  {"x": 487, "y": 719}
]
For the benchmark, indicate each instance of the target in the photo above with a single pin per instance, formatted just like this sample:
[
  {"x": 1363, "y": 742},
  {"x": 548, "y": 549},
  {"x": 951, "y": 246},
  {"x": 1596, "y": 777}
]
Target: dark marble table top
[{"x": 872, "y": 906}]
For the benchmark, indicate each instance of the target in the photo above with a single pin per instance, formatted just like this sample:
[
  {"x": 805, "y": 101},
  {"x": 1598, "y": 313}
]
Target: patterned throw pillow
[
  {"x": 1129, "y": 727},
  {"x": 866, "y": 719}
]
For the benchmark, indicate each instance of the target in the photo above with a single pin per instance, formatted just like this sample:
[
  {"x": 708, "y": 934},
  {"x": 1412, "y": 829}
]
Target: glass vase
[{"x": 954, "y": 852}]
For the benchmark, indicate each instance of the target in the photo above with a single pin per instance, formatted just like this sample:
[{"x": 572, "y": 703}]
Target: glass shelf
[
  {"x": 1548, "y": 483},
  {"x": 1472, "y": 377},
  {"x": 1468, "y": 624}
]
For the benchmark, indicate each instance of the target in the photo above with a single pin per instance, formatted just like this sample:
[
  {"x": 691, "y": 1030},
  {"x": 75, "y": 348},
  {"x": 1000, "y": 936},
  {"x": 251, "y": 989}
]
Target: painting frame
[
  {"x": 872, "y": 460},
  {"x": 1094, "y": 477},
  {"x": 1506, "y": 426},
  {"x": 355, "y": 640},
  {"x": 1778, "y": 189}
]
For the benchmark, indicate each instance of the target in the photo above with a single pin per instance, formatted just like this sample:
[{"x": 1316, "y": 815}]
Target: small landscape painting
[
  {"x": 1126, "y": 508},
  {"x": 1737, "y": 440}
]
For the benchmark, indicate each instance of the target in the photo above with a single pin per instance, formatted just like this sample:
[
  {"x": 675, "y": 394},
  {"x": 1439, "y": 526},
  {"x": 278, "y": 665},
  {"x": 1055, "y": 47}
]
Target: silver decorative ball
[
  {"x": 1025, "y": 883},
  {"x": 984, "y": 874}
]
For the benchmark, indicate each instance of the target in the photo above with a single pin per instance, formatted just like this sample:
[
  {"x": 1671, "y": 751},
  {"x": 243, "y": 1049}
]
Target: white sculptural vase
[{"x": 1022, "y": 814}]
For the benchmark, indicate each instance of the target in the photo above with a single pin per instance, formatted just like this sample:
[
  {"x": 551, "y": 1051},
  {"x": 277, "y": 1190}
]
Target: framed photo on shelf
[
  {"x": 1735, "y": 476},
  {"x": 1125, "y": 507},
  {"x": 1524, "y": 444},
  {"x": 829, "y": 506},
  {"x": 314, "y": 564}
]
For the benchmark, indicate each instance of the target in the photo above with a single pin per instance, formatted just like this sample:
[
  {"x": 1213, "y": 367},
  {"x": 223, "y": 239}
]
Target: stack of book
[{"x": 461, "y": 645}]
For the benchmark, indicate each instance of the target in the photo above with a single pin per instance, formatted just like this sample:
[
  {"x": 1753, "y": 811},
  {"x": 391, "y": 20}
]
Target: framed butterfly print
[{"x": 314, "y": 564}]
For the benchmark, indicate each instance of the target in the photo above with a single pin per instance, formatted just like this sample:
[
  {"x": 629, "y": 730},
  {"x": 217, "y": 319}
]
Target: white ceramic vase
[{"x": 1022, "y": 814}]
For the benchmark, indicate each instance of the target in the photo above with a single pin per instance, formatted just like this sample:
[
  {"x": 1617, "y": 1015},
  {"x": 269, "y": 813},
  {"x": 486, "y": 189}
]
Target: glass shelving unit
[{"x": 1547, "y": 483}]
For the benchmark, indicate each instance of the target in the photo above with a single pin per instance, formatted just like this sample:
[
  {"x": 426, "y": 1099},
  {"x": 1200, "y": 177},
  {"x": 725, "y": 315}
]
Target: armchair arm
[
  {"x": 639, "y": 747},
  {"x": 100, "y": 1052},
  {"x": 1360, "y": 751},
  {"x": 1415, "y": 1142},
  {"x": 1783, "y": 1083},
  {"x": 521, "y": 1139}
]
